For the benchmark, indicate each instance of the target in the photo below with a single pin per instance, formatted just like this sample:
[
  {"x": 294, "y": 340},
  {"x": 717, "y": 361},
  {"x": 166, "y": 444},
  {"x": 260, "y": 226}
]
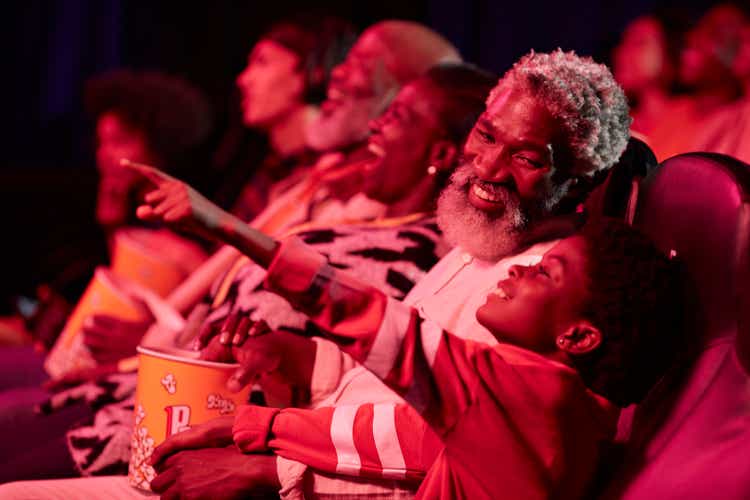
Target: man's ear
[
  {"x": 443, "y": 155},
  {"x": 580, "y": 338}
]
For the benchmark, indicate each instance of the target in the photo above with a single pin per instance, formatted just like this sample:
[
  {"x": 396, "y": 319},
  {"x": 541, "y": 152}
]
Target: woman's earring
[{"x": 431, "y": 170}]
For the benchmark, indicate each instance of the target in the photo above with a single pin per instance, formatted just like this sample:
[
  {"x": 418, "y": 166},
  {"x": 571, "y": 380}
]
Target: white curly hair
[{"x": 584, "y": 97}]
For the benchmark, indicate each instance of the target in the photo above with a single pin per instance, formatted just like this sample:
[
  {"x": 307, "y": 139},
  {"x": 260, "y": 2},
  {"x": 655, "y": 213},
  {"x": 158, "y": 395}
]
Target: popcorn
[
  {"x": 169, "y": 382},
  {"x": 140, "y": 473}
]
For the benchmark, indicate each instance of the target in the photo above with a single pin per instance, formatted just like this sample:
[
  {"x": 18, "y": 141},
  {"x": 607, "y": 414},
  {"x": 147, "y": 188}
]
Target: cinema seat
[{"x": 691, "y": 438}]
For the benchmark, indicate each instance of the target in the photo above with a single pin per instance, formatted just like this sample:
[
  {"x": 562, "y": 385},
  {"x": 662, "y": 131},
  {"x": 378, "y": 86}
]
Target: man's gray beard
[
  {"x": 484, "y": 236},
  {"x": 347, "y": 125}
]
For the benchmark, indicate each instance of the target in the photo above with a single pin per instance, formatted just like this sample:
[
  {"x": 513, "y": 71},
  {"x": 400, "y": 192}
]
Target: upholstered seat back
[
  {"x": 691, "y": 439},
  {"x": 696, "y": 204}
]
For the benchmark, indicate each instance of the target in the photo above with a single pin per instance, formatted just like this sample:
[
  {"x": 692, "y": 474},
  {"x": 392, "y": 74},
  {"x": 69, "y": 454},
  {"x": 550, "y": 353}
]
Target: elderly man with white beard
[{"x": 551, "y": 124}]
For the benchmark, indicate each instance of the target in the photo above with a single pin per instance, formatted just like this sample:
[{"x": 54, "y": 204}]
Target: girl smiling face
[{"x": 536, "y": 304}]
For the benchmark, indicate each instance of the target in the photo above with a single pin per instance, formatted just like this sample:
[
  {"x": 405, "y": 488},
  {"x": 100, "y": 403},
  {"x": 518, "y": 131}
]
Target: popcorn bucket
[
  {"x": 156, "y": 259},
  {"x": 105, "y": 294},
  {"x": 174, "y": 392}
]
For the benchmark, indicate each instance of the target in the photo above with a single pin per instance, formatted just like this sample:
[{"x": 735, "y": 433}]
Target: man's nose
[
  {"x": 376, "y": 123},
  {"x": 242, "y": 77},
  {"x": 491, "y": 166}
]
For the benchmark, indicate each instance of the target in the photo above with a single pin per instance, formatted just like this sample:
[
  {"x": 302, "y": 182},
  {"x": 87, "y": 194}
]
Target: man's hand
[
  {"x": 216, "y": 473},
  {"x": 259, "y": 351},
  {"x": 233, "y": 331},
  {"x": 215, "y": 433},
  {"x": 217, "y": 352},
  {"x": 110, "y": 339},
  {"x": 289, "y": 356}
]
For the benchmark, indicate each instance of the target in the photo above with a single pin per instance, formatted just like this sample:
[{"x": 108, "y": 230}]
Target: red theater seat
[{"x": 691, "y": 437}]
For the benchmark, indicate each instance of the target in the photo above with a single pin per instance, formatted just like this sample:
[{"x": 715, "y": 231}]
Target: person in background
[
  {"x": 147, "y": 115},
  {"x": 735, "y": 140},
  {"x": 699, "y": 120},
  {"x": 644, "y": 63},
  {"x": 156, "y": 118},
  {"x": 280, "y": 91}
]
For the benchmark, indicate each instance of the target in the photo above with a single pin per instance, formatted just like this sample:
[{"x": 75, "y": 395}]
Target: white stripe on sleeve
[
  {"x": 388, "y": 340},
  {"x": 342, "y": 435},
  {"x": 386, "y": 441}
]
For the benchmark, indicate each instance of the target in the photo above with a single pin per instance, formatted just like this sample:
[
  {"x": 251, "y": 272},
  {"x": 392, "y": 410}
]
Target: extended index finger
[{"x": 151, "y": 173}]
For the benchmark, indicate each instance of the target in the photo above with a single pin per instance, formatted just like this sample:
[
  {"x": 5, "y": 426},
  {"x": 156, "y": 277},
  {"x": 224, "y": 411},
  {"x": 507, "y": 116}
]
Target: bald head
[
  {"x": 385, "y": 57},
  {"x": 409, "y": 49}
]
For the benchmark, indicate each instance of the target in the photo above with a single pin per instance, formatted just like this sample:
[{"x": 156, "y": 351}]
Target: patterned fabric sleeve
[{"x": 392, "y": 258}]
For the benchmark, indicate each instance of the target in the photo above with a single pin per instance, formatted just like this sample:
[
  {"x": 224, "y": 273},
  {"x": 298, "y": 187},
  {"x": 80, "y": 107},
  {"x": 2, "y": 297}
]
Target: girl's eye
[{"x": 543, "y": 271}]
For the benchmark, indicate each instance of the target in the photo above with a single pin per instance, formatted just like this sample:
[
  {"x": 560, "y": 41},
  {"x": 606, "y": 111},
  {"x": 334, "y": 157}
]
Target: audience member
[
  {"x": 698, "y": 121},
  {"x": 644, "y": 64},
  {"x": 280, "y": 91},
  {"x": 735, "y": 137},
  {"x": 151, "y": 116}
]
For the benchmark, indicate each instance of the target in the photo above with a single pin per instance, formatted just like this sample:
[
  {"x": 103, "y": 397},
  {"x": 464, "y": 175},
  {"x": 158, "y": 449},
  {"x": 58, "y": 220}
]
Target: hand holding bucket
[
  {"x": 174, "y": 392},
  {"x": 105, "y": 294}
]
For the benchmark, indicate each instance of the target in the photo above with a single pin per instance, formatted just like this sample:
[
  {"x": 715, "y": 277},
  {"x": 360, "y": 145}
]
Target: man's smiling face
[
  {"x": 505, "y": 181},
  {"x": 512, "y": 154},
  {"x": 360, "y": 89}
]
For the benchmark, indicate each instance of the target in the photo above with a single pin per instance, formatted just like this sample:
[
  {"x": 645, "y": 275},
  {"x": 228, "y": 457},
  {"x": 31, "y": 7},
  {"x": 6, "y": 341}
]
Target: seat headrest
[
  {"x": 698, "y": 205},
  {"x": 612, "y": 194}
]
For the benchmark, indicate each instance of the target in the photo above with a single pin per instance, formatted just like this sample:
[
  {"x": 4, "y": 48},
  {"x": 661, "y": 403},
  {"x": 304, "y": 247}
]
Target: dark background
[{"x": 47, "y": 174}]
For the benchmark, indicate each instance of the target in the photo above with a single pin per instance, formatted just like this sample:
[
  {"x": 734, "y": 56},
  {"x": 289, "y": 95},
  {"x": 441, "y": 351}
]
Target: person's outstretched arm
[
  {"x": 176, "y": 203},
  {"x": 389, "y": 338}
]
